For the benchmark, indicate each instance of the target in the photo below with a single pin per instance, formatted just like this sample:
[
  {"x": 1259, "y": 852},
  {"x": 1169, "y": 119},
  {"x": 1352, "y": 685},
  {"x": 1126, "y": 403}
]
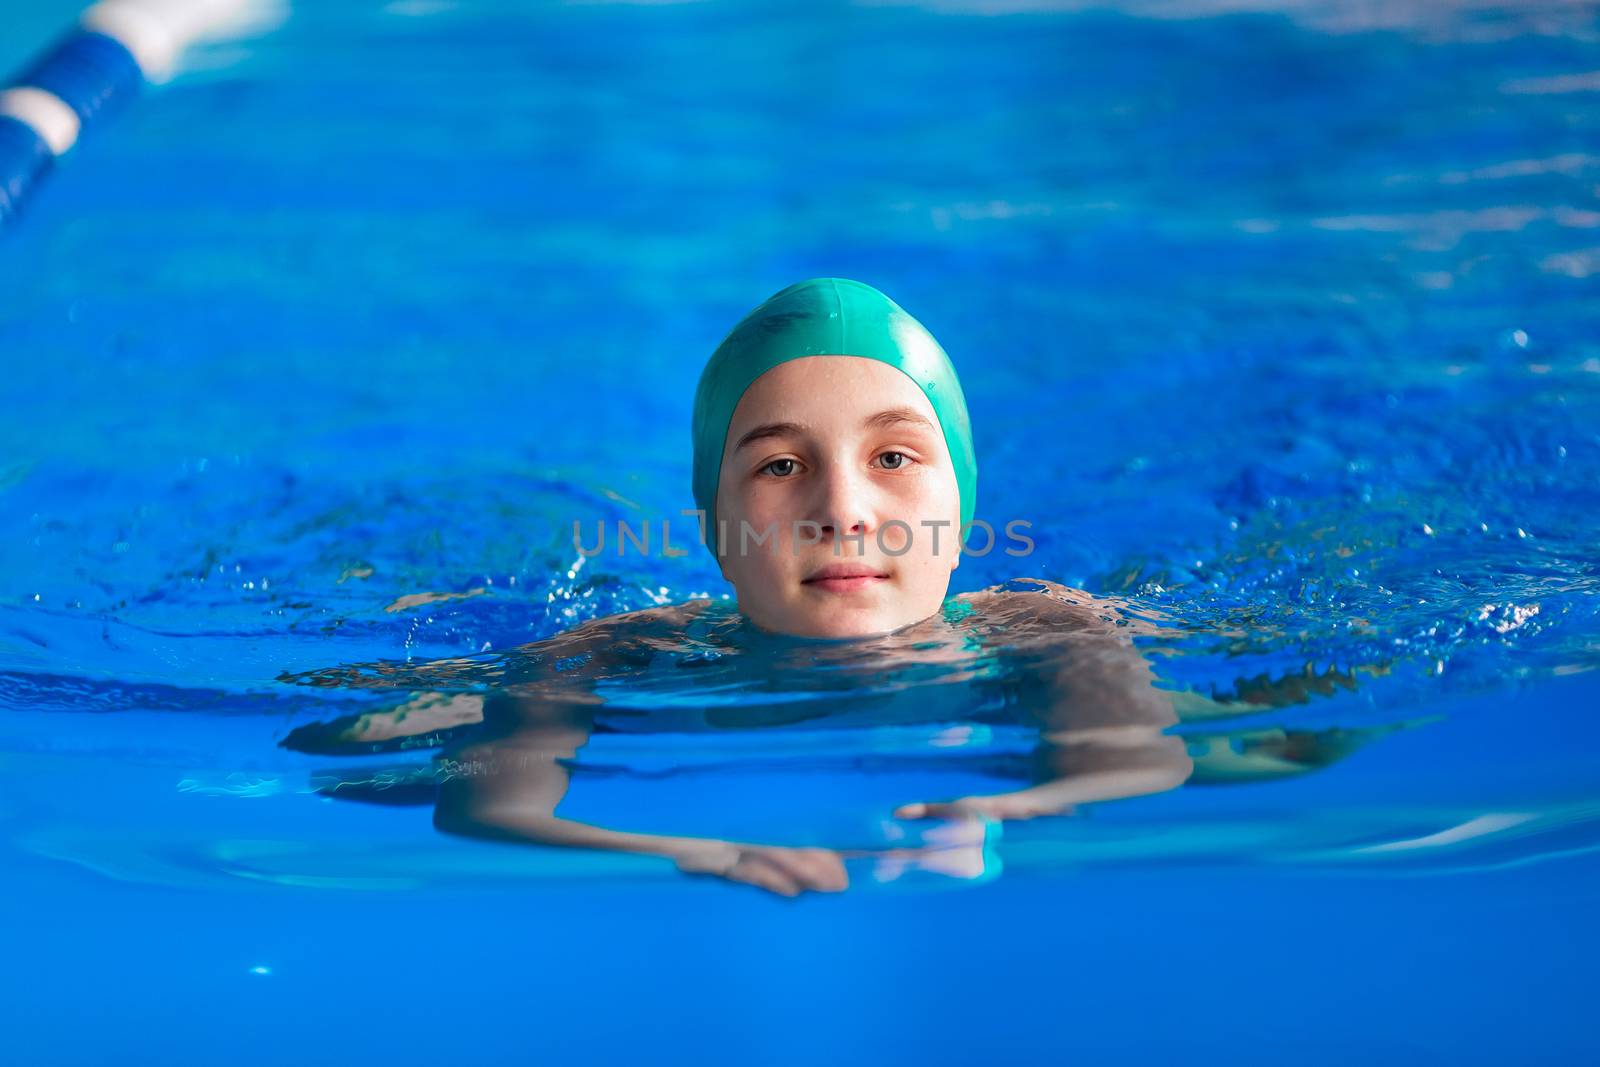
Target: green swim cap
[{"x": 820, "y": 317}]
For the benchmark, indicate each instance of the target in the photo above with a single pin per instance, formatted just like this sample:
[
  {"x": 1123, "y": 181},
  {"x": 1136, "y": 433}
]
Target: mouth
[{"x": 845, "y": 578}]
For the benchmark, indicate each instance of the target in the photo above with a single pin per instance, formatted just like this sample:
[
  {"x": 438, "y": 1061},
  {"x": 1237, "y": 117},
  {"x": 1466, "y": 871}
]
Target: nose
[{"x": 843, "y": 507}]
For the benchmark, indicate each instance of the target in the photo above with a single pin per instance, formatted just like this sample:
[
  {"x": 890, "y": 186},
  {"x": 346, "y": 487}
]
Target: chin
[
  {"x": 826, "y": 627},
  {"x": 842, "y": 630},
  {"x": 841, "y": 625}
]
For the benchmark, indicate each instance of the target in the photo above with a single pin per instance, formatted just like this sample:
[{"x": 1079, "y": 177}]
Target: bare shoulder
[
  {"x": 665, "y": 616},
  {"x": 1038, "y": 592},
  {"x": 669, "y": 612},
  {"x": 1042, "y": 600},
  {"x": 590, "y": 649}
]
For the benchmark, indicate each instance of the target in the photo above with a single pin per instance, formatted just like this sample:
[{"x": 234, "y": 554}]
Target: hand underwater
[
  {"x": 785, "y": 871},
  {"x": 1023, "y": 804}
]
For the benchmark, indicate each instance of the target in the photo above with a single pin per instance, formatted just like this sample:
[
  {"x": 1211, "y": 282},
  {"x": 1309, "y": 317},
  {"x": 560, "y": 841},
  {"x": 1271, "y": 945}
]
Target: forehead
[{"x": 827, "y": 391}]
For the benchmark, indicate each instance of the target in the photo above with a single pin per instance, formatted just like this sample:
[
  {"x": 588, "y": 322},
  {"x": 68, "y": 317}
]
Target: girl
[{"x": 835, "y": 476}]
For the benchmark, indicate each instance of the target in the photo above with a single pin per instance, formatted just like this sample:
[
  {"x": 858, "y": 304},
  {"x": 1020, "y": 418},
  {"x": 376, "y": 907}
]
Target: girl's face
[{"x": 837, "y": 463}]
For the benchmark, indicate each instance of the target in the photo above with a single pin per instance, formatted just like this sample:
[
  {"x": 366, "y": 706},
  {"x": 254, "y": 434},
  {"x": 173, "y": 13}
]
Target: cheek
[
  {"x": 755, "y": 501},
  {"x": 755, "y": 509},
  {"x": 758, "y": 550},
  {"x": 931, "y": 544},
  {"x": 933, "y": 499}
]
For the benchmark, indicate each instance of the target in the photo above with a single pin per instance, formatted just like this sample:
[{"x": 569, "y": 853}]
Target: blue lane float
[
  {"x": 88, "y": 72},
  {"x": 117, "y": 47},
  {"x": 24, "y": 155}
]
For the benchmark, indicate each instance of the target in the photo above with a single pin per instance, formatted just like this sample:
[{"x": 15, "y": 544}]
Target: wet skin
[{"x": 1092, "y": 696}]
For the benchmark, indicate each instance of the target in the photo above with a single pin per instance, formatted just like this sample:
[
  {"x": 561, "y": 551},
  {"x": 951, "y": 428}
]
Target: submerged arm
[
  {"x": 507, "y": 788},
  {"x": 1102, "y": 723}
]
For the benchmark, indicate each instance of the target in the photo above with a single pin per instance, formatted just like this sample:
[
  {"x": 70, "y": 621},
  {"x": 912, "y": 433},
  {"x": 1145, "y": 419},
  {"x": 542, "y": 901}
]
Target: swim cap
[{"x": 821, "y": 317}]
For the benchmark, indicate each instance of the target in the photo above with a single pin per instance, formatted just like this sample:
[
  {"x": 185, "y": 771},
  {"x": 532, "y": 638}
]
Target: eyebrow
[
  {"x": 884, "y": 420},
  {"x": 881, "y": 421}
]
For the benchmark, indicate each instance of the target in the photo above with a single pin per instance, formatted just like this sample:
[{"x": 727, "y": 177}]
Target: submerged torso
[{"x": 703, "y": 666}]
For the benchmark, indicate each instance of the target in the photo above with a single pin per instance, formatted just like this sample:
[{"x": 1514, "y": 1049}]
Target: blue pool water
[{"x": 1281, "y": 323}]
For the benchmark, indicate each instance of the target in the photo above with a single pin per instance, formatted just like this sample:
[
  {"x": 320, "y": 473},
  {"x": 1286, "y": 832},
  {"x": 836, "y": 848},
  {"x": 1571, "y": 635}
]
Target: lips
[
  {"x": 846, "y": 570},
  {"x": 845, "y": 577}
]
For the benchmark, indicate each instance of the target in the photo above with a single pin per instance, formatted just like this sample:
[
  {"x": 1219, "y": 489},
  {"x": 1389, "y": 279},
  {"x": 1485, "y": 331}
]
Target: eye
[
  {"x": 779, "y": 463},
  {"x": 900, "y": 459}
]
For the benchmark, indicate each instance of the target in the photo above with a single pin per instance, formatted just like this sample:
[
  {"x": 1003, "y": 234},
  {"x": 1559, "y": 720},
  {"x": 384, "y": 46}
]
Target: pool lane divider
[{"x": 117, "y": 47}]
